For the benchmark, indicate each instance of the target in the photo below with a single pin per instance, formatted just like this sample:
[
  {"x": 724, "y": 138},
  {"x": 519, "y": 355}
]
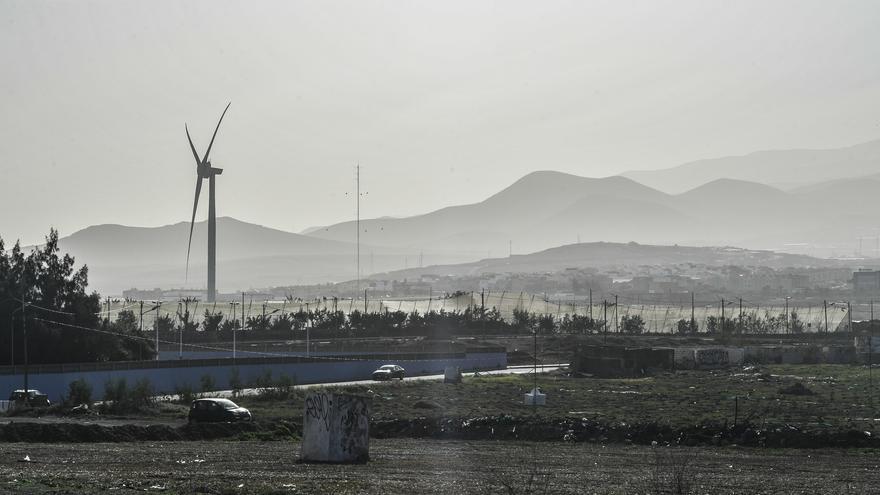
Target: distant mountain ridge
[
  {"x": 248, "y": 256},
  {"x": 608, "y": 255},
  {"x": 788, "y": 169}
]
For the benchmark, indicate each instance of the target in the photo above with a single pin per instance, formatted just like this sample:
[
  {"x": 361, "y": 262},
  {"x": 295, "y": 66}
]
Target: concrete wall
[
  {"x": 800, "y": 354},
  {"x": 616, "y": 359},
  {"x": 164, "y": 380},
  {"x": 718, "y": 357}
]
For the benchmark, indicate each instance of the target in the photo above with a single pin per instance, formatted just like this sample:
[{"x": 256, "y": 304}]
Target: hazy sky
[{"x": 440, "y": 102}]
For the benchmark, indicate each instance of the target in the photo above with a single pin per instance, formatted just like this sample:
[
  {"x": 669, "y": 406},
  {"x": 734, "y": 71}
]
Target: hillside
[
  {"x": 248, "y": 256},
  {"x": 608, "y": 254}
]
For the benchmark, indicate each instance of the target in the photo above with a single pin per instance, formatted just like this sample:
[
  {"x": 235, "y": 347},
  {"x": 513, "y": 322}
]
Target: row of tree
[{"x": 327, "y": 323}]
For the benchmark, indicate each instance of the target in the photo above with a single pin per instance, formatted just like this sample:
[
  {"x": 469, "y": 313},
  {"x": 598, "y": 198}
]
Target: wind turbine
[{"x": 204, "y": 170}]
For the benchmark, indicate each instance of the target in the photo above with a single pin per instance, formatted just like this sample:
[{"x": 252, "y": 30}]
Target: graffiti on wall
[
  {"x": 711, "y": 357},
  {"x": 318, "y": 407}
]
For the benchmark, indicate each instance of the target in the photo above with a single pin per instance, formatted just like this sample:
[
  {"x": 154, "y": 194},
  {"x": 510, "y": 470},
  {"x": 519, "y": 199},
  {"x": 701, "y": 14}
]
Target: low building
[{"x": 866, "y": 281}]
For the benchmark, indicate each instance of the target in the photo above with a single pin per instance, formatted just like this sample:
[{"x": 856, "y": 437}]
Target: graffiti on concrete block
[
  {"x": 318, "y": 407},
  {"x": 711, "y": 357},
  {"x": 355, "y": 423}
]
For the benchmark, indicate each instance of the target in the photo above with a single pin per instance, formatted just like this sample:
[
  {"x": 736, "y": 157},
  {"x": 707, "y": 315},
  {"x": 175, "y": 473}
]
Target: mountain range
[
  {"x": 248, "y": 256},
  {"x": 833, "y": 213},
  {"x": 547, "y": 209}
]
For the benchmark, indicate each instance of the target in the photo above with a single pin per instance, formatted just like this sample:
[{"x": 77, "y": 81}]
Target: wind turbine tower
[{"x": 204, "y": 170}]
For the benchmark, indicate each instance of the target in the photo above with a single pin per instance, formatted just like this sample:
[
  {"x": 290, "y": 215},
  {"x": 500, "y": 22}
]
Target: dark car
[
  {"x": 388, "y": 372},
  {"x": 32, "y": 397},
  {"x": 217, "y": 411}
]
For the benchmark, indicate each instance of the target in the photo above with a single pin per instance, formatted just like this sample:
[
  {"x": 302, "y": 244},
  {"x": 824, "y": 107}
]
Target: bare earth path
[{"x": 422, "y": 466}]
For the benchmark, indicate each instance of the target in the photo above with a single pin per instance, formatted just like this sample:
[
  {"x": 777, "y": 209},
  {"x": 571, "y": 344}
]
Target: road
[{"x": 510, "y": 370}]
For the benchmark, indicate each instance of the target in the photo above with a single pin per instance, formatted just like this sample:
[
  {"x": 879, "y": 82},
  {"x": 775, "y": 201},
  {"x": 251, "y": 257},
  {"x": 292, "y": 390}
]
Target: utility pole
[
  {"x": 740, "y": 316},
  {"x": 722, "y": 315},
  {"x": 616, "y": 319},
  {"x": 693, "y": 319},
  {"x": 786, "y": 315},
  {"x": 234, "y": 325},
  {"x": 591, "y": 304},
  {"x": 605, "y": 320},
  {"x": 849, "y": 316},
  {"x": 365, "y": 301},
  {"x": 483, "y": 310},
  {"x": 24, "y": 332},
  {"x": 535, "y": 355},
  {"x": 825, "y": 307},
  {"x": 185, "y": 319},
  {"x": 156, "y": 322}
]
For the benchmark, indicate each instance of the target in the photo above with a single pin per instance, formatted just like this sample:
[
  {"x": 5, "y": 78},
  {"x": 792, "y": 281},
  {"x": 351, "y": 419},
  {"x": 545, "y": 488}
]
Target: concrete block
[
  {"x": 711, "y": 357},
  {"x": 452, "y": 374},
  {"x": 535, "y": 398},
  {"x": 336, "y": 428}
]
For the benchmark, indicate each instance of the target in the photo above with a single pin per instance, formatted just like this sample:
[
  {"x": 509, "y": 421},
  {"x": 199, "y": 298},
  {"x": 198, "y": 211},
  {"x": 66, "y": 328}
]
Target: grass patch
[{"x": 841, "y": 397}]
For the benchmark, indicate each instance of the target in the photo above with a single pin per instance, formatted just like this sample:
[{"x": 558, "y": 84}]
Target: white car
[{"x": 388, "y": 372}]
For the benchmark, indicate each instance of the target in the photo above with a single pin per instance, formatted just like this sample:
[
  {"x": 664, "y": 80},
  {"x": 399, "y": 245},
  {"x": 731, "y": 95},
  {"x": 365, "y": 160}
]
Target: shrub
[
  {"x": 672, "y": 471},
  {"x": 263, "y": 382},
  {"x": 687, "y": 326},
  {"x": 208, "y": 384},
  {"x": 119, "y": 399},
  {"x": 268, "y": 389},
  {"x": 235, "y": 382},
  {"x": 79, "y": 392},
  {"x": 185, "y": 393},
  {"x": 633, "y": 324}
]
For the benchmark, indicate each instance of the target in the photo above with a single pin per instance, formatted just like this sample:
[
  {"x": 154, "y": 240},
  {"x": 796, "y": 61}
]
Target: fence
[
  {"x": 166, "y": 376},
  {"x": 660, "y": 314}
]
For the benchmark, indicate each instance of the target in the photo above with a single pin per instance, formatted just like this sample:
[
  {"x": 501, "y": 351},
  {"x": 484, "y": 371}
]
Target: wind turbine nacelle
[{"x": 206, "y": 171}]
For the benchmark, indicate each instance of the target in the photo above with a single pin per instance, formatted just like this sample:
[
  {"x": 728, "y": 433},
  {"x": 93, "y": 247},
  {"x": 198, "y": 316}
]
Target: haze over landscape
[
  {"x": 514, "y": 139},
  {"x": 433, "y": 247},
  {"x": 97, "y": 102}
]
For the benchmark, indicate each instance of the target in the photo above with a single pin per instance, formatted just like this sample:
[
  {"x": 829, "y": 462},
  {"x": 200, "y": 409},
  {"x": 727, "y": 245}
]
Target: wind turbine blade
[
  {"x": 204, "y": 160},
  {"x": 193, "y": 148},
  {"x": 192, "y": 224}
]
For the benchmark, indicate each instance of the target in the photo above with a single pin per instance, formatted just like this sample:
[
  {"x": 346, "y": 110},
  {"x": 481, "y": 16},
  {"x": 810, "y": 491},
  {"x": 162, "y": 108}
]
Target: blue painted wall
[{"x": 165, "y": 380}]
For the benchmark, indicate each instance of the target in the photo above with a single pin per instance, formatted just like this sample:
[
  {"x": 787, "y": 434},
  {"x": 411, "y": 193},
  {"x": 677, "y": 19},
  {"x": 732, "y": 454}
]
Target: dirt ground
[{"x": 429, "y": 466}]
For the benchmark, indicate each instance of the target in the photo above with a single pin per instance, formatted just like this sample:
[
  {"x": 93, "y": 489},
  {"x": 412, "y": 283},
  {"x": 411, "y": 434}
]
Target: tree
[
  {"x": 632, "y": 324},
  {"x": 60, "y": 317},
  {"x": 687, "y": 326},
  {"x": 211, "y": 322}
]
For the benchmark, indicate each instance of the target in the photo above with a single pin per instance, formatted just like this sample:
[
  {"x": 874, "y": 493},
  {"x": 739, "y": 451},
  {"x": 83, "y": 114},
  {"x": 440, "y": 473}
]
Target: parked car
[
  {"x": 388, "y": 372},
  {"x": 33, "y": 397},
  {"x": 217, "y": 411}
]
